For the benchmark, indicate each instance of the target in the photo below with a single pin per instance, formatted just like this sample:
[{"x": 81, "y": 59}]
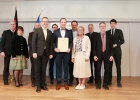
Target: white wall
[
  {"x": 124, "y": 9},
  {"x": 126, "y": 12}
]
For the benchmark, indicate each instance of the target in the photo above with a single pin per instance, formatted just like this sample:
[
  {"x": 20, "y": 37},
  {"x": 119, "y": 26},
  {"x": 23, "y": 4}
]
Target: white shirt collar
[
  {"x": 44, "y": 28},
  {"x": 12, "y": 31}
]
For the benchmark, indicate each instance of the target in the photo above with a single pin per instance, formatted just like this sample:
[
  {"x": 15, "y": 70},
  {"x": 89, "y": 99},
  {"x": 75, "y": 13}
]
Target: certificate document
[{"x": 63, "y": 44}]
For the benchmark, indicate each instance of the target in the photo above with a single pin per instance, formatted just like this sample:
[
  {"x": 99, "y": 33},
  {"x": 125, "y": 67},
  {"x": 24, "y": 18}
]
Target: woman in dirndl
[
  {"x": 19, "y": 52},
  {"x": 80, "y": 58}
]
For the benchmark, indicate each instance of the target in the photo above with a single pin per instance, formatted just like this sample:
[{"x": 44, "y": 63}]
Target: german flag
[{"x": 16, "y": 18}]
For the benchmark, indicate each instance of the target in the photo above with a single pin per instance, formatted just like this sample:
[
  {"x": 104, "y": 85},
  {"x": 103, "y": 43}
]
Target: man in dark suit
[
  {"x": 91, "y": 34},
  {"x": 102, "y": 52},
  {"x": 54, "y": 27},
  {"x": 6, "y": 49},
  {"x": 37, "y": 25},
  {"x": 64, "y": 57},
  {"x": 74, "y": 32},
  {"x": 42, "y": 48},
  {"x": 118, "y": 40}
]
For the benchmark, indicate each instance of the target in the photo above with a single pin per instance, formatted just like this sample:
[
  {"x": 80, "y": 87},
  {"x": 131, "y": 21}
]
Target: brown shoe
[
  {"x": 58, "y": 87},
  {"x": 66, "y": 87}
]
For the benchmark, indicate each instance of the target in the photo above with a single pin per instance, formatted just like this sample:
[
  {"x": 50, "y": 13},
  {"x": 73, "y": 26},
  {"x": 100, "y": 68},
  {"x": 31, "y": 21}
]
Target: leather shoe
[
  {"x": 6, "y": 83},
  {"x": 38, "y": 89},
  {"x": 66, "y": 87},
  {"x": 58, "y": 87},
  {"x": 44, "y": 88},
  {"x": 106, "y": 87},
  {"x": 119, "y": 85}
]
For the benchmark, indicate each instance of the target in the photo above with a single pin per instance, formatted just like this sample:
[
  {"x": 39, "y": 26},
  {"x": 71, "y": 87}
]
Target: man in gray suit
[{"x": 42, "y": 48}]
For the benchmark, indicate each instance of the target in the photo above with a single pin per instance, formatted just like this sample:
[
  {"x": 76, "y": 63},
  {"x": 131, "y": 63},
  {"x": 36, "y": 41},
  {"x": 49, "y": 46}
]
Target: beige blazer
[{"x": 86, "y": 47}]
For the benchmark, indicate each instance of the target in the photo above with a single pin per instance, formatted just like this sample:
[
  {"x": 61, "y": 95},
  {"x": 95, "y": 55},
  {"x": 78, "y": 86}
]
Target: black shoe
[
  {"x": 70, "y": 83},
  {"x": 44, "y": 88},
  {"x": 20, "y": 83},
  {"x": 6, "y": 83},
  {"x": 33, "y": 84},
  {"x": 98, "y": 87},
  {"x": 106, "y": 87},
  {"x": 17, "y": 85},
  {"x": 38, "y": 89},
  {"x": 119, "y": 85}
]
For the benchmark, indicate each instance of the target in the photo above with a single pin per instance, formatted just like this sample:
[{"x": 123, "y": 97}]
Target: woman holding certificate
[{"x": 80, "y": 58}]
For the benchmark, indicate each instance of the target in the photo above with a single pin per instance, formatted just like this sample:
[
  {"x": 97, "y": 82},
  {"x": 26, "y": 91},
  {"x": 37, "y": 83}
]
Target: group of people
[{"x": 84, "y": 51}]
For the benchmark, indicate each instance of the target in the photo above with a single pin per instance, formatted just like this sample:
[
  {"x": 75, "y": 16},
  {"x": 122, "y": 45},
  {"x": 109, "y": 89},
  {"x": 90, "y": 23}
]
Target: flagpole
[
  {"x": 40, "y": 12},
  {"x": 15, "y": 6}
]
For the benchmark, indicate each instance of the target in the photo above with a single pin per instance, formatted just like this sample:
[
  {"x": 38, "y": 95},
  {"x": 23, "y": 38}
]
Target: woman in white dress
[{"x": 80, "y": 58}]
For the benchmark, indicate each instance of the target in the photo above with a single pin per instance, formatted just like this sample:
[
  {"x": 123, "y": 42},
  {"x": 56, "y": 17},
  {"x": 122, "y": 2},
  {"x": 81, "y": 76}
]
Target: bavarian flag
[{"x": 37, "y": 21}]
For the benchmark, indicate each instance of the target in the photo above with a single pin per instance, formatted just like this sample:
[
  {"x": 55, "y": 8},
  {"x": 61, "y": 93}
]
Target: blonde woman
[{"x": 80, "y": 57}]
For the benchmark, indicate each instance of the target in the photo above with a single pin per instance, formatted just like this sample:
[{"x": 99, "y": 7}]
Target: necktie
[
  {"x": 112, "y": 31},
  {"x": 103, "y": 43},
  {"x": 45, "y": 33}
]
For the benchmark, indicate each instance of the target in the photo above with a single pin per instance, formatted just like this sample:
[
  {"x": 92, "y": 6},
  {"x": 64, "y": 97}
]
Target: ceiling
[{"x": 67, "y": 0}]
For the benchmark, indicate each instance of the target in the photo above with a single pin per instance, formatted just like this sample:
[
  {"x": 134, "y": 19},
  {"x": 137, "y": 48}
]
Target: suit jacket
[
  {"x": 117, "y": 38},
  {"x": 92, "y": 38},
  {"x": 30, "y": 43},
  {"x": 17, "y": 48},
  {"x": 68, "y": 34},
  {"x": 6, "y": 41},
  {"x": 39, "y": 42},
  {"x": 71, "y": 33},
  {"x": 97, "y": 49}
]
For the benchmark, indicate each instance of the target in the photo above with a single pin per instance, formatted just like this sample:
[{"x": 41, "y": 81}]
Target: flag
[
  {"x": 15, "y": 18},
  {"x": 37, "y": 21}
]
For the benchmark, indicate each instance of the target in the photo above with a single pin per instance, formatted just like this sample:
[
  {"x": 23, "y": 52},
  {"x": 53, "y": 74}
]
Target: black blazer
[
  {"x": 39, "y": 42},
  {"x": 68, "y": 34},
  {"x": 92, "y": 38},
  {"x": 97, "y": 49},
  {"x": 71, "y": 33},
  {"x": 30, "y": 43},
  {"x": 6, "y": 41},
  {"x": 16, "y": 46},
  {"x": 118, "y": 37}
]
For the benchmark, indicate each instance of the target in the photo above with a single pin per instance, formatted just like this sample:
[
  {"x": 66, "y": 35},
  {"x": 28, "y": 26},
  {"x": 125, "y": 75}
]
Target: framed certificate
[{"x": 63, "y": 44}]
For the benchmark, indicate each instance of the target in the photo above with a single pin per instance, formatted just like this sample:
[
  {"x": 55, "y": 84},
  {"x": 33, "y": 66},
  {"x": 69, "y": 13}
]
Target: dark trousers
[
  {"x": 117, "y": 54},
  {"x": 62, "y": 58},
  {"x": 40, "y": 69},
  {"x": 51, "y": 68},
  {"x": 91, "y": 65},
  {"x": 6, "y": 67},
  {"x": 32, "y": 70},
  {"x": 71, "y": 64},
  {"x": 104, "y": 58}
]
